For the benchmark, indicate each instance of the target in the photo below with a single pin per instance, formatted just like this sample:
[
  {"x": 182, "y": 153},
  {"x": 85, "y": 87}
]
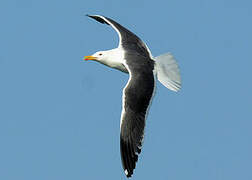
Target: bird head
[
  {"x": 98, "y": 56},
  {"x": 112, "y": 58}
]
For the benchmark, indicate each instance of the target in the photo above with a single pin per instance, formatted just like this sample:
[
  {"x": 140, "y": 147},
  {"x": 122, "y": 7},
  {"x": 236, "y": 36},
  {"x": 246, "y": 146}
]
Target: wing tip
[
  {"x": 128, "y": 175},
  {"x": 129, "y": 158},
  {"x": 99, "y": 18}
]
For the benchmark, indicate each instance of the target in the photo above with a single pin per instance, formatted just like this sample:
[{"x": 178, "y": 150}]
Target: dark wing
[
  {"x": 137, "y": 93},
  {"x": 137, "y": 96},
  {"x": 127, "y": 39}
]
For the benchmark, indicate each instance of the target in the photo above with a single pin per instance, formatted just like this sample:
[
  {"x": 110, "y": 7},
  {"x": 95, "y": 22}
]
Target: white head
[
  {"x": 98, "y": 56},
  {"x": 112, "y": 58}
]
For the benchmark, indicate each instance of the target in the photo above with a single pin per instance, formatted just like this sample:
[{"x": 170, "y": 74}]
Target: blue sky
[{"x": 60, "y": 116}]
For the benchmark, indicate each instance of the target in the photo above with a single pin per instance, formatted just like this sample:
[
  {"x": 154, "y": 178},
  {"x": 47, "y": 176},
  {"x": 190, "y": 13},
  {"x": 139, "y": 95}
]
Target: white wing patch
[{"x": 126, "y": 172}]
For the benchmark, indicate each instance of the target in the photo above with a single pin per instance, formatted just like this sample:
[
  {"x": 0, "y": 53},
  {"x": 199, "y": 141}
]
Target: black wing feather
[
  {"x": 98, "y": 18},
  {"x": 137, "y": 98}
]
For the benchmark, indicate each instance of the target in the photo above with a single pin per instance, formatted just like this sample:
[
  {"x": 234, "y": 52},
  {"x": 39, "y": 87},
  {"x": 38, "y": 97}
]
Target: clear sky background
[{"x": 60, "y": 116}]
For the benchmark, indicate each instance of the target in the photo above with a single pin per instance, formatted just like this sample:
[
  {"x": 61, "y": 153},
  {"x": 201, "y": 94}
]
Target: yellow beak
[{"x": 89, "y": 58}]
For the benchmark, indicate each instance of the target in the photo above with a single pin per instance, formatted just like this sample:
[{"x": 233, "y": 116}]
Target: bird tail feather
[{"x": 168, "y": 71}]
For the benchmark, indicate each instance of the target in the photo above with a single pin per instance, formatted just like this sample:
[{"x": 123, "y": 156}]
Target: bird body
[{"x": 134, "y": 57}]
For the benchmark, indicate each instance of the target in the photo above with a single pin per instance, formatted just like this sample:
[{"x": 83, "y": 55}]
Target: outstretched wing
[
  {"x": 137, "y": 96},
  {"x": 127, "y": 39}
]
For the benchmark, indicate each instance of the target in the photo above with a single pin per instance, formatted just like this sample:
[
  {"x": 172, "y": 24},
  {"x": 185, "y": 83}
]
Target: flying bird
[{"x": 132, "y": 56}]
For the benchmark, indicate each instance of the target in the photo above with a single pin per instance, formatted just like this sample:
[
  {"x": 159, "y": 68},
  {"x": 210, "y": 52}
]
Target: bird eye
[{"x": 100, "y": 54}]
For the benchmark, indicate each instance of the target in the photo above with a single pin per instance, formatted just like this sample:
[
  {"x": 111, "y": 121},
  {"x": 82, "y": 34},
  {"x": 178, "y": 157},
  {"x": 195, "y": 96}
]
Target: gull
[{"x": 132, "y": 56}]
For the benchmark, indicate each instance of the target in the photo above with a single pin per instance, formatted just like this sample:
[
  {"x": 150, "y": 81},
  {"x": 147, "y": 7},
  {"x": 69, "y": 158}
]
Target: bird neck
[{"x": 114, "y": 58}]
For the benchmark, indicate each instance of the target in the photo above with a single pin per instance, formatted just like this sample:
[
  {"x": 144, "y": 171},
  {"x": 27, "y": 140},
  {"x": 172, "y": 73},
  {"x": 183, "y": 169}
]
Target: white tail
[{"x": 168, "y": 71}]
